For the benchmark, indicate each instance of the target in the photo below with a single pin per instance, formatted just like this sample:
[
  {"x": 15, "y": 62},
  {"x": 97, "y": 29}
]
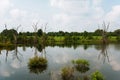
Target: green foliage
[
  {"x": 67, "y": 73},
  {"x": 37, "y": 61},
  {"x": 81, "y": 65},
  {"x": 81, "y": 62},
  {"x": 9, "y": 34},
  {"x": 55, "y": 37},
  {"x": 85, "y": 34},
  {"x": 117, "y": 32},
  {"x": 118, "y": 38},
  {"x": 37, "y": 64},
  {"x": 97, "y": 76},
  {"x": 40, "y": 32},
  {"x": 98, "y": 32},
  {"x": 67, "y": 38},
  {"x": 90, "y": 37},
  {"x": 39, "y": 47}
]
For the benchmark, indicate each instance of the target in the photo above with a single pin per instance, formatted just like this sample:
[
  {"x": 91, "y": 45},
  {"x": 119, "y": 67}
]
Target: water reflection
[
  {"x": 104, "y": 55},
  {"x": 117, "y": 46},
  {"x": 8, "y": 49},
  {"x": 67, "y": 45},
  {"x": 16, "y": 54},
  {"x": 86, "y": 47},
  {"x": 38, "y": 64},
  {"x": 81, "y": 65},
  {"x": 57, "y": 58},
  {"x": 24, "y": 48},
  {"x": 0, "y": 51}
]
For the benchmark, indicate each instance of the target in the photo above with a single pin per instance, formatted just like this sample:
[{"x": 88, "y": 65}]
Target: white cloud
[
  {"x": 61, "y": 18},
  {"x": 114, "y": 14},
  {"x": 13, "y": 16},
  {"x": 15, "y": 64},
  {"x": 4, "y": 5},
  {"x": 115, "y": 65},
  {"x": 23, "y": 17},
  {"x": 78, "y": 13},
  {"x": 97, "y": 2},
  {"x": 82, "y": 14},
  {"x": 80, "y": 7},
  {"x": 73, "y": 6},
  {"x": 5, "y": 73},
  {"x": 17, "y": 13}
]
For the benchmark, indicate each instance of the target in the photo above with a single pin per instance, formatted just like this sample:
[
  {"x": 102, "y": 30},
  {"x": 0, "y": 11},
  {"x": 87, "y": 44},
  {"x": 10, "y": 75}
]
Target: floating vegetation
[
  {"x": 37, "y": 64},
  {"x": 81, "y": 65},
  {"x": 97, "y": 76},
  {"x": 67, "y": 73}
]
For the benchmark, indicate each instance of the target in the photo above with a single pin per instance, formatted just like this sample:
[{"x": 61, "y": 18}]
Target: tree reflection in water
[
  {"x": 0, "y": 51},
  {"x": 17, "y": 55},
  {"x": 104, "y": 53},
  {"x": 82, "y": 66},
  {"x": 38, "y": 64},
  {"x": 7, "y": 51}
]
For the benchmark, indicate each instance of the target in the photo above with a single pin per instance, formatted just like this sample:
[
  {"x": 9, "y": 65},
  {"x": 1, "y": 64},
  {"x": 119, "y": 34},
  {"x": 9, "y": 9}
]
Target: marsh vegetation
[
  {"x": 82, "y": 66},
  {"x": 67, "y": 55}
]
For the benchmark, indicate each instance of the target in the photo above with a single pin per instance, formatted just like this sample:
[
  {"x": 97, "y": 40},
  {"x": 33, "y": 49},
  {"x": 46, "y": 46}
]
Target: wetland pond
[{"x": 14, "y": 62}]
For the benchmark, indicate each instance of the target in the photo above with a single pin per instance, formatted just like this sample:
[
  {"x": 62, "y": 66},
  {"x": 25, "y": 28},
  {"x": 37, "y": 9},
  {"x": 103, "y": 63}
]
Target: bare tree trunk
[
  {"x": 104, "y": 33},
  {"x": 35, "y": 27},
  {"x": 15, "y": 34}
]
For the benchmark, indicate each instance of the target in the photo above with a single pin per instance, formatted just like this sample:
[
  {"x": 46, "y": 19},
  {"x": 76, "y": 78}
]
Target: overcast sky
[{"x": 65, "y": 15}]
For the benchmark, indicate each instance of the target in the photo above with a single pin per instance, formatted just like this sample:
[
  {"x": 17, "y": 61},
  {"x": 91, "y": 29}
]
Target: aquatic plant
[
  {"x": 67, "y": 73},
  {"x": 97, "y": 76},
  {"x": 81, "y": 65},
  {"x": 37, "y": 64},
  {"x": 81, "y": 62}
]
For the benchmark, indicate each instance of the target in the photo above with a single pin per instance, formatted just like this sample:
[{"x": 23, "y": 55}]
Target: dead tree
[
  {"x": 15, "y": 34},
  {"x": 0, "y": 52},
  {"x": 104, "y": 33},
  {"x": 104, "y": 53},
  {"x": 6, "y": 55},
  {"x": 5, "y": 39},
  {"x": 35, "y": 28},
  {"x": 104, "y": 50},
  {"x": 44, "y": 37},
  {"x": 17, "y": 55}
]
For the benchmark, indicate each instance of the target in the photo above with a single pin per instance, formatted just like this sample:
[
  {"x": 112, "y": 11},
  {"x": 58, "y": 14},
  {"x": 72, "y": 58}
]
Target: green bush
[
  {"x": 118, "y": 38},
  {"x": 67, "y": 73},
  {"x": 81, "y": 62},
  {"x": 37, "y": 64},
  {"x": 97, "y": 76},
  {"x": 81, "y": 65}
]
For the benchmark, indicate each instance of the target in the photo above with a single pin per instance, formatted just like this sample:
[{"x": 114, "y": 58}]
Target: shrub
[
  {"x": 81, "y": 62},
  {"x": 97, "y": 76},
  {"x": 118, "y": 38},
  {"x": 81, "y": 65},
  {"x": 37, "y": 64},
  {"x": 67, "y": 73}
]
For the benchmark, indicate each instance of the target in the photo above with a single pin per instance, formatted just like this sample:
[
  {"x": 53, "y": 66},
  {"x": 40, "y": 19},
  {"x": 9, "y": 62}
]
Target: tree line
[{"x": 8, "y": 36}]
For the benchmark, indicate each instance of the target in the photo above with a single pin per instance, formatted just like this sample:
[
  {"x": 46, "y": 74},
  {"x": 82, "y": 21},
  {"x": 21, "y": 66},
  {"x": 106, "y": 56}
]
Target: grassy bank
[{"x": 60, "y": 40}]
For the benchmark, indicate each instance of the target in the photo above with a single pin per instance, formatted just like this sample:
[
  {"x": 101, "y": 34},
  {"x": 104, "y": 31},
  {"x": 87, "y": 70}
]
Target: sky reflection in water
[{"x": 14, "y": 66}]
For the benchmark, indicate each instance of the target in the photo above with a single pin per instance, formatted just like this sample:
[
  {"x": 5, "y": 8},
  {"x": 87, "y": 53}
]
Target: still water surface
[{"x": 14, "y": 63}]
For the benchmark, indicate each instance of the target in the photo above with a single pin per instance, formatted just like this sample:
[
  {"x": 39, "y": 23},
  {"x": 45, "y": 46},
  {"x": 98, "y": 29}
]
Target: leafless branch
[{"x": 5, "y": 26}]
